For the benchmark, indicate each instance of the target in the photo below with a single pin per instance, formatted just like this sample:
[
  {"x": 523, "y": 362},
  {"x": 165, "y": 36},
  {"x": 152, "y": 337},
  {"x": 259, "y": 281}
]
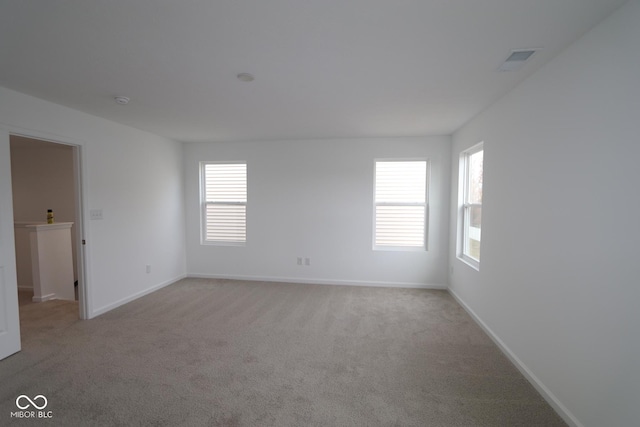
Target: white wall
[
  {"x": 559, "y": 281},
  {"x": 315, "y": 199},
  {"x": 133, "y": 176},
  {"x": 42, "y": 178}
]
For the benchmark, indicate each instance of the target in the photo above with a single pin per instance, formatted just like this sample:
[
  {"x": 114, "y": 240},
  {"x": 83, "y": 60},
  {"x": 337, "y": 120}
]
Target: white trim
[
  {"x": 221, "y": 243},
  {"x": 82, "y": 257},
  {"x": 377, "y": 284},
  {"x": 43, "y": 298},
  {"x": 135, "y": 296},
  {"x": 81, "y": 195},
  {"x": 47, "y": 227},
  {"x": 463, "y": 190},
  {"x": 469, "y": 261},
  {"x": 474, "y": 148},
  {"x": 42, "y": 136},
  {"x": 551, "y": 399},
  {"x": 23, "y": 224},
  {"x": 140, "y": 294}
]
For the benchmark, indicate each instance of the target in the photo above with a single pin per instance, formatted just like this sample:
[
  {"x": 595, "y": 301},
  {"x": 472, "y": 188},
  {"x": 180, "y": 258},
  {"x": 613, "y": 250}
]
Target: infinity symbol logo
[{"x": 31, "y": 402}]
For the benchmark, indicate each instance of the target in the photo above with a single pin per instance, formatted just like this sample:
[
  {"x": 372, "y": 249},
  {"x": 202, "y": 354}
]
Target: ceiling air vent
[{"x": 517, "y": 59}]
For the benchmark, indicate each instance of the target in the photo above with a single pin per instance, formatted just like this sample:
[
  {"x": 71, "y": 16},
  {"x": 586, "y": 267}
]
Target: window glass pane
[
  {"x": 475, "y": 177},
  {"x": 401, "y": 181},
  {"x": 226, "y": 223},
  {"x": 226, "y": 182},
  {"x": 400, "y": 226},
  {"x": 471, "y": 180},
  {"x": 475, "y": 218},
  {"x": 473, "y": 234},
  {"x": 400, "y": 204},
  {"x": 224, "y": 202}
]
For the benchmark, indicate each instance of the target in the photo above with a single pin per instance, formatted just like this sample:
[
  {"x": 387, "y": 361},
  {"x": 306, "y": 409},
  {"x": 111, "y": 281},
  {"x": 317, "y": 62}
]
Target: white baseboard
[
  {"x": 320, "y": 281},
  {"x": 43, "y": 298},
  {"x": 555, "y": 403},
  {"x": 109, "y": 307}
]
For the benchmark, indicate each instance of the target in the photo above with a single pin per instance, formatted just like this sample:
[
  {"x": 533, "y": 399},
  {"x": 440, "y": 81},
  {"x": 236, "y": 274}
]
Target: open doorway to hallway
[{"x": 48, "y": 260}]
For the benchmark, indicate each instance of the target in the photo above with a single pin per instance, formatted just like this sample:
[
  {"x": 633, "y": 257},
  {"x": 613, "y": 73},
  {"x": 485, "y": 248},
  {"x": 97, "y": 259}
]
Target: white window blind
[
  {"x": 400, "y": 204},
  {"x": 224, "y": 201}
]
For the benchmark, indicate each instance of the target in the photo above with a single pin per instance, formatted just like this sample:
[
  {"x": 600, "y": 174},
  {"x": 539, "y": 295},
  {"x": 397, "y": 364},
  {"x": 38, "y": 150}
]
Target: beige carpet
[{"x": 230, "y": 353}]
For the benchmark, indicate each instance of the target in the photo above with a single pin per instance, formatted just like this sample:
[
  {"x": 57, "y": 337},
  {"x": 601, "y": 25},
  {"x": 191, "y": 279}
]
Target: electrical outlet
[
  {"x": 148, "y": 269},
  {"x": 307, "y": 261},
  {"x": 299, "y": 260}
]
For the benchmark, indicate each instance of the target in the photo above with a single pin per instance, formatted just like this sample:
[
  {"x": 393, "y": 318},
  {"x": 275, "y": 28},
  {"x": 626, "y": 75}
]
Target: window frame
[
  {"x": 204, "y": 203},
  {"x": 425, "y": 204},
  {"x": 465, "y": 206}
]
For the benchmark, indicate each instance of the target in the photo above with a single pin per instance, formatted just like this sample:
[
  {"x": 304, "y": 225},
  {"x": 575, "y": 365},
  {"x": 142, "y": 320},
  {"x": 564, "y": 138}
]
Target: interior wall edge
[
  {"x": 104, "y": 309},
  {"x": 548, "y": 396}
]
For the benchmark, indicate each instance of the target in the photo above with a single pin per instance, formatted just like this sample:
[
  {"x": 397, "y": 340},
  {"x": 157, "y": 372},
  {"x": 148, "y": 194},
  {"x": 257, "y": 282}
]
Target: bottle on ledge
[{"x": 49, "y": 216}]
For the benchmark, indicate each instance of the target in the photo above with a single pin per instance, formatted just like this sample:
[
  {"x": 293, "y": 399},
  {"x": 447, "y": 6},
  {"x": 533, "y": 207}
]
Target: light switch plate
[{"x": 95, "y": 214}]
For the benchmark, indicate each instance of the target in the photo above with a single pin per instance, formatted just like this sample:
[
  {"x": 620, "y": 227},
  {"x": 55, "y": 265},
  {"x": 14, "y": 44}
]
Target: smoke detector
[
  {"x": 122, "y": 100},
  {"x": 516, "y": 59}
]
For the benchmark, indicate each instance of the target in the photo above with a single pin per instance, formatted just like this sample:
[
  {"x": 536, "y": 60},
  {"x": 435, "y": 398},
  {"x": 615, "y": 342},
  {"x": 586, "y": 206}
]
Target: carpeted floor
[{"x": 231, "y": 353}]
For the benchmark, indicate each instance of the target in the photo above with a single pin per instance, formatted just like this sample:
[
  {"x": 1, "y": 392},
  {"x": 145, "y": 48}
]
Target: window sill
[
  {"x": 212, "y": 243},
  {"x": 470, "y": 262},
  {"x": 400, "y": 248}
]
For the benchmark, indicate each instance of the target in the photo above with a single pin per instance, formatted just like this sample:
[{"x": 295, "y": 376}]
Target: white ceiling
[{"x": 323, "y": 68}]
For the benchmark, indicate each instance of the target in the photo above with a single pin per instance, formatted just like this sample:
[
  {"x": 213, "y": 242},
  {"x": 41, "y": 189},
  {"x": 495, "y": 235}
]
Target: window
[
  {"x": 400, "y": 204},
  {"x": 471, "y": 207},
  {"x": 224, "y": 202}
]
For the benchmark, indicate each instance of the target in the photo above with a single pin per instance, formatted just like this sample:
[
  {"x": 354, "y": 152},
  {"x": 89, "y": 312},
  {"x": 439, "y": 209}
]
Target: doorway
[{"x": 46, "y": 176}]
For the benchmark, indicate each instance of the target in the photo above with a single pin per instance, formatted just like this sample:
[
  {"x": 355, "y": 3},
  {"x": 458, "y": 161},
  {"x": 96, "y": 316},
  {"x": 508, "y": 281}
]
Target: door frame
[
  {"x": 10, "y": 340},
  {"x": 84, "y": 291}
]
